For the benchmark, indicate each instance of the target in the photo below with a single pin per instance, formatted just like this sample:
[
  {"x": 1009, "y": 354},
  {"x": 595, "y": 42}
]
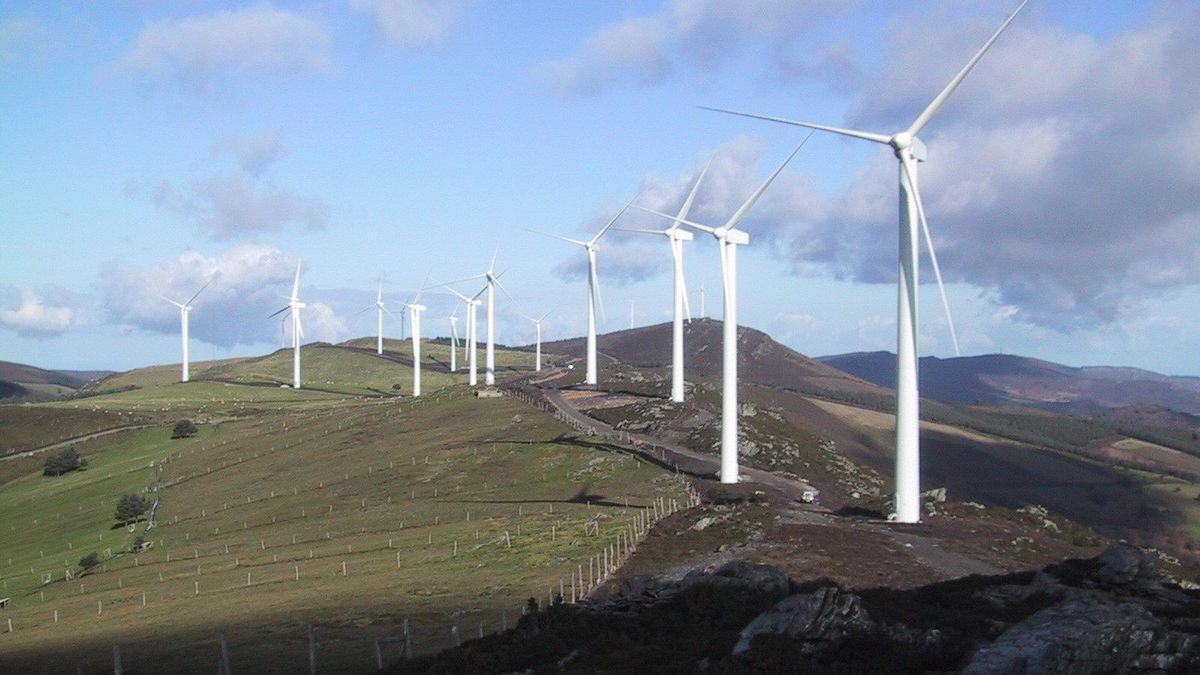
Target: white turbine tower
[
  {"x": 415, "y": 309},
  {"x": 185, "y": 311},
  {"x": 910, "y": 151},
  {"x": 676, "y": 235},
  {"x": 294, "y": 306},
  {"x": 537, "y": 349},
  {"x": 590, "y": 247},
  {"x": 728, "y": 239}
]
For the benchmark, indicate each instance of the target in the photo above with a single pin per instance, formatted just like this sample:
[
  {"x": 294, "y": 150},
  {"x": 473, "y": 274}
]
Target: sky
[{"x": 148, "y": 148}]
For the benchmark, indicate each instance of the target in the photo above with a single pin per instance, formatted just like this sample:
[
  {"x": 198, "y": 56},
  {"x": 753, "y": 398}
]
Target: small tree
[
  {"x": 139, "y": 542},
  {"x": 89, "y": 562},
  {"x": 130, "y": 508},
  {"x": 63, "y": 461},
  {"x": 184, "y": 429}
]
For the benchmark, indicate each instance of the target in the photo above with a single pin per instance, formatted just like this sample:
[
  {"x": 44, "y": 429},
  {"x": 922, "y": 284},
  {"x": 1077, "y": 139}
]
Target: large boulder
[
  {"x": 1080, "y": 635},
  {"x": 1125, "y": 565},
  {"x": 816, "y": 620}
]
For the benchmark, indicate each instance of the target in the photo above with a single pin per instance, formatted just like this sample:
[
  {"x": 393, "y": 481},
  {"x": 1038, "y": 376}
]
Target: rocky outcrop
[{"x": 1112, "y": 613}]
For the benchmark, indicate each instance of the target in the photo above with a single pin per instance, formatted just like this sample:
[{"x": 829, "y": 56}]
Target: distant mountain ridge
[{"x": 1003, "y": 379}]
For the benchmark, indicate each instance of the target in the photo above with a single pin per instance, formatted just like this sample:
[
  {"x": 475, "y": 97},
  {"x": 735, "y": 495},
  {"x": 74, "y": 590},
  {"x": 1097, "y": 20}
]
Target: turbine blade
[
  {"x": 492, "y": 266},
  {"x": 678, "y": 257},
  {"x": 749, "y": 203},
  {"x": 420, "y": 290},
  {"x": 189, "y": 300},
  {"x": 940, "y": 100},
  {"x": 636, "y": 230},
  {"x": 698, "y": 226},
  {"x": 296, "y": 284},
  {"x": 459, "y": 281},
  {"x": 937, "y": 272},
  {"x": 299, "y": 325},
  {"x": 596, "y": 293},
  {"x": 272, "y": 316},
  {"x": 556, "y": 236},
  {"x": 687, "y": 203},
  {"x": 379, "y": 293},
  {"x": 610, "y": 222},
  {"x": 865, "y": 135},
  {"x": 496, "y": 280},
  {"x": 177, "y": 304}
]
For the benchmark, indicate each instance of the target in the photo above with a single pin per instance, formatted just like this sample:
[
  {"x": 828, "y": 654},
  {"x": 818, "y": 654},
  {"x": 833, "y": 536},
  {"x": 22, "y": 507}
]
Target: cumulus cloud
[
  {"x": 248, "y": 283},
  {"x": 32, "y": 316},
  {"x": 735, "y": 170},
  {"x": 229, "y": 204},
  {"x": 253, "y": 40},
  {"x": 1063, "y": 177},
  {"x": 255, "y": 152},
  {"x": 411, "y": 23},
  {"x": 1063, "y": 174},
  {"x": 21, "y": 38},
  {"x": 701, "y": 34}
]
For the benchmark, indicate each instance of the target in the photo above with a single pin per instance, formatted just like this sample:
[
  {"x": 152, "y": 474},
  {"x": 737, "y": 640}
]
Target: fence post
[
  {"x": 225, "y": 655},
  {"x": 408, "y": 654},
  {"x": 378, "y": 655},
  {"x": 312, "y": 651},
  {"x": 117, "y": 670}
]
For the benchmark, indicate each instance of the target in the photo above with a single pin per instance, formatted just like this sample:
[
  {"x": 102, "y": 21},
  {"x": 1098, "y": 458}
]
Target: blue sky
[{"x": 147, "y": 146}]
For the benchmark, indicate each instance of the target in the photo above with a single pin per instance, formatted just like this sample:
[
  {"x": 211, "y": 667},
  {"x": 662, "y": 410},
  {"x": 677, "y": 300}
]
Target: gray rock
[
  {"x": 1123, "y": 564},
  {"x": 763, "y": 579},
  {"x": 1083, "y": 635},
  {"x": 816, "y": 619}
]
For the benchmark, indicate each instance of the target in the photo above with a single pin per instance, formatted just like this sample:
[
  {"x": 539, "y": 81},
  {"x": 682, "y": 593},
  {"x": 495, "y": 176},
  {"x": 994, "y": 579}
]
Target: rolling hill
[
  {"x": 1003, "y": 379},
  {"x": 20, "y": 382}
]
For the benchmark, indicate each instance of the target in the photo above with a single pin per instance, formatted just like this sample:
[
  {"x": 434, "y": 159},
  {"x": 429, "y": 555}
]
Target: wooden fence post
[{"x": 312, "y": 651}]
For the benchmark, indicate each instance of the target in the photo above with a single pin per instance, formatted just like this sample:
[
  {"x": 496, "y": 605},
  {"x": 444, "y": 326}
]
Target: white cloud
[
  {"x": 34, "y": 318},
  {"x": 697, "y": 33},
  {"x": 321, "y": 324},
  {"x": 21, "y": 38},
  {"x": 255, "y": 153},
  {"x": 254, "y": 40},
  {"x": 411, "y": 23},
  {"x": 248, "y": 282}
]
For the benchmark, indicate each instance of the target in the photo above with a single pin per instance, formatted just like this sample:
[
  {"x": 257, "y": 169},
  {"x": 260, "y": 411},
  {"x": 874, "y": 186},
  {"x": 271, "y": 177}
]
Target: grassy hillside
[{"x": 367, "y": 484}]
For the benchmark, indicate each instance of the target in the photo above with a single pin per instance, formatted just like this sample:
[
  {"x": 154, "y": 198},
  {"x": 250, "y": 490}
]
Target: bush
[
  {"x": 131, "y": 508},
  {"x": 184, "y": 429},
  {"x": 138, "y": 542},
  {"x": 63, "y": 461},
  {"x": 89, "y": 562}
]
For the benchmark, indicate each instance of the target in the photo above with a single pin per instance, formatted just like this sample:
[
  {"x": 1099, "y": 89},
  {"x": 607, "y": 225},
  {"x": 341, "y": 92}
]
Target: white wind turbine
[
  {"x": 415, "y": 309},
  {"x": 493, "y": 282},
  {"x": 185, "y": 311},
  {"x": 537, "y": 349},
  {"x": 294, "y": 305},
  {"x": 379, "y": 310},
  {"x": 676, "y": 235},
  {"x": 910, "y": 151},
  {"x": 472, "y": 304},
  {"x": 728, "y": 239},
  {"x": 590, "y": 247},
  {"x": 453, "y": 340}
]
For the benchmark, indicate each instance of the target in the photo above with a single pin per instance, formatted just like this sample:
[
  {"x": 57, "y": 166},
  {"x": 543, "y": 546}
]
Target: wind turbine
[
  {"x": 702, "y": 313},
  {"x": 185, "y": 310},
  {"x": 472, "y": 303},
  {"x": 294, "y": 306},
  {"x": 676, "y": 235},
  {"x": 379, "y": 310},
  {"x": 593, "y": 300},
  {"x": 909, "y": 151},
  {"x": 537, "y": 350},
  {"x": 728, "y": 239},
  {"x": 415, "y": 309},
  {"x": 493, "y": 282},
  {"x": 453, "y": 340}
]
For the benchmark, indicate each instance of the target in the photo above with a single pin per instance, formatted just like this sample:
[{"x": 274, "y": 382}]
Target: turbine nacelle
[
  {"x": 905, "y": 142},
  {"x": 679, "y": 234}
]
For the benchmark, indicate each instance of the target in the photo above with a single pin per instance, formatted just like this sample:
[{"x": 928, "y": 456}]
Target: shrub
[
  {"x": 184, "y": 429},
  {"x": 89, "y": 562},
  {"x": 63, "y": 461},
  {"x": 131, "y": 508},
  {"x": 138, "y": 542}
]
